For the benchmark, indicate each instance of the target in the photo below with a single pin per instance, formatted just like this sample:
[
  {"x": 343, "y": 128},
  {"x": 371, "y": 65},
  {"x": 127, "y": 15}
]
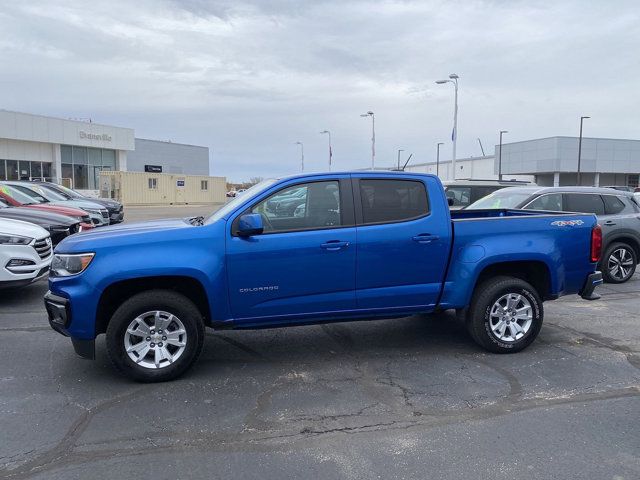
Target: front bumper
[
  {"x": 59, "y": 313},
  {"x": 116, "y": 216},
  {"x": 588, "y": 290}
]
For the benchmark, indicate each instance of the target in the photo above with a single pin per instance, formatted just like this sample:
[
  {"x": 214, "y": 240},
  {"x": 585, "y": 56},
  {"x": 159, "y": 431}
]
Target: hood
[
  {"x": 39, "y": 217},
  {"x": 18, "y": 227},
  {"x": 82, "y": 204},
  {"x": 128, "y": 233},
  {"x": 71, "y": 211}
]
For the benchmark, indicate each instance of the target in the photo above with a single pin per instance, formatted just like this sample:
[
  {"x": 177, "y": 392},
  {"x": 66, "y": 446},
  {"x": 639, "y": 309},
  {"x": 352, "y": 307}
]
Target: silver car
[
  {"x": 98, "y": 213},
  {"x": 618, "y": 214}
]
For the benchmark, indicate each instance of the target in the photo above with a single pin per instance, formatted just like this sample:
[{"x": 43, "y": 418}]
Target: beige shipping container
[{"x": 142, "y": 188}]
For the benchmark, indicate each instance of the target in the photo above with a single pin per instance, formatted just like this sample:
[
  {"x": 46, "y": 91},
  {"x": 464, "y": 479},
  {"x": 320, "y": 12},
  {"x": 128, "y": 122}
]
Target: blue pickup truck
[{"x": 357, "y": 246}]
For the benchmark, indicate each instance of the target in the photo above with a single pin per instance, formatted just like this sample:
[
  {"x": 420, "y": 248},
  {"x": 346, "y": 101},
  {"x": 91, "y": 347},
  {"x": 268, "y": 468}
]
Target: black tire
[
  {"x": 611, "y": 252},
  {"x": 478, "y": 315},
  {"x": 152, "y": 300}
]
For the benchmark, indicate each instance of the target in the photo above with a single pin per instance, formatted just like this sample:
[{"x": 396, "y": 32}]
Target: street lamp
[
  {"x": 580, "y": 148},
  {"x": 373, "y": 136},
  {"x": 301, "y": 154},
  {"x": 327, "y": 132},
  {"x": 438, "y": 158},
  {"x": 453, "y": 78},
  {"x": 399, "y": 150},
  {"x": 500, "y": 155}
]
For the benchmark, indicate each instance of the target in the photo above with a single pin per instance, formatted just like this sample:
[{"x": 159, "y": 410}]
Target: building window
[
  {"x": 204, "y": 184},
  {"x": 633, "y": 181},
  {"x": 153, "y": 184},
  {"x": 82, "y": 165}
]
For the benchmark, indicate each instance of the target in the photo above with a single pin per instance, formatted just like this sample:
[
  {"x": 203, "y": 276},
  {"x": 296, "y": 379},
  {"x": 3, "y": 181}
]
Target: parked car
[
  {"x": 99, "y": 215},
  {"x": 231, "y": 193},
  {"x": 385, "y": 246},
  {"x": 240, "y": 191},
  {"x": 58, "y": 226},
  {"x": 464, "y": 192},
  {"x": 16, "y": 198},
  {"x": 25, "y": 252},
  {"x": 115, "y": 209},
  {"x": 617, "y": 212}
]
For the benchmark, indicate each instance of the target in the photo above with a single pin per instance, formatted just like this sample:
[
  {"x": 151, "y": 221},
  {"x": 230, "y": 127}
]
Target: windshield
[
  {"x": 48, "y": 194},
  {"x": 505, "y": 198},
  {"x": 62, "y": 190},
  {"x": 26, "y": 198},
  {"x": 246, "y": 195}
]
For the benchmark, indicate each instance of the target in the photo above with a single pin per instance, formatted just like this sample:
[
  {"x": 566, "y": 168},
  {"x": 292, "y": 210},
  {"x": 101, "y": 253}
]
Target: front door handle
[
  {"x": 334, "y": 245},
  {"x": 425, "y": 238},
  {"x": 609, "y": 223}
]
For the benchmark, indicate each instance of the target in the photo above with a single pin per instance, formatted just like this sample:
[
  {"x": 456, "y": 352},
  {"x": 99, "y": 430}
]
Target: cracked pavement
[{"x": 402, "y": 398}]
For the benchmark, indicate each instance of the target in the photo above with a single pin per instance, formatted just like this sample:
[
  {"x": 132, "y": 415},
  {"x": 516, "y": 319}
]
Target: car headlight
[
  {"x": 8, "y": 239},
  {"x": 95, "y": 211},
  {"x": 65, "y": 265}
]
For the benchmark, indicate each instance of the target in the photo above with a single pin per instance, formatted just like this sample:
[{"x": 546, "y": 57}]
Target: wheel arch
[
  {"x": 535, "y": 272},
  {"x": 116, "y": 293}
]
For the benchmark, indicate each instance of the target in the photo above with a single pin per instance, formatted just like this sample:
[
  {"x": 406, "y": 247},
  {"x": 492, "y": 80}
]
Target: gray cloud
[{"x": 249, "y": 79}]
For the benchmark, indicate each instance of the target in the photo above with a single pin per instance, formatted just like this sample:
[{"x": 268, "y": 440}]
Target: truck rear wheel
[
  {"x": 155, "y": 336},
  {"x": 505, "y": 314}
]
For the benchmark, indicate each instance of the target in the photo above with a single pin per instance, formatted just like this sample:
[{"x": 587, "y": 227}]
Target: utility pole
[
  {"x": 399, "y": 150},
  {"x": 580, "y": 149},
  {"x": 453, "y": 78},
  {"x": 327, "y": 132},
  {"x": 438, "y": 159},
  {"x": 301, "y": 155},
  {"x": 373, "y": 136}
]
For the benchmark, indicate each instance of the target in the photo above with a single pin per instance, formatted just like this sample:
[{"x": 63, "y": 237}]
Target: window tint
[
  {"x": 583, "y": 203},
  {"x": 392, "y": 200},
  {"x": 461, "y": 196},
  {"x": 551, "y": 202},
  {"x": 613, "y": 205},
  {"x": 302, "y": 207}
]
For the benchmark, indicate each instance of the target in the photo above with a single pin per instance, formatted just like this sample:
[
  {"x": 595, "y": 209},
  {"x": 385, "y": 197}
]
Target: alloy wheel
[{"x": 155, "y": 339}]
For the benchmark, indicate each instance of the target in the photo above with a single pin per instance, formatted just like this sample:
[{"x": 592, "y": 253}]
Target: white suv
[{"x": 25, "y": 252}]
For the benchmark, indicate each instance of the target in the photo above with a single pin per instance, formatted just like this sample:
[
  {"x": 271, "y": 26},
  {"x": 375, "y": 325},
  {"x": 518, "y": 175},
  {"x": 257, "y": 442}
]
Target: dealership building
[
  {"x": 75, "y": 152},
  {"x": 551, "y": 161}
]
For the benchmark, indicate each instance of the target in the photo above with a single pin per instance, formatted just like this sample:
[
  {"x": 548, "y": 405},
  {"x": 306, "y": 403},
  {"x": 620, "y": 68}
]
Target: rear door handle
[
  {"x": 425, "y": 238},
  {"x": 609, "y": 222},
  {"x": 334, "y": 245}
]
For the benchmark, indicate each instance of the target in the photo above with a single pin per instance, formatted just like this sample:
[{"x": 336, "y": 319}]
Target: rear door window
[
  {"x": 480, "y": 192},
  {"x": 583, "y": 203},
  {"x": 386, "y": 201},
  {"x": 461, "y": 196},
  {"x": 551, "y": 202}
]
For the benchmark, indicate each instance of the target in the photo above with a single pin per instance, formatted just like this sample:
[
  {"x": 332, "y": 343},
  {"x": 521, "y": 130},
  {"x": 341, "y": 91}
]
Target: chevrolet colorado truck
[{"x": 366, "y": 245}]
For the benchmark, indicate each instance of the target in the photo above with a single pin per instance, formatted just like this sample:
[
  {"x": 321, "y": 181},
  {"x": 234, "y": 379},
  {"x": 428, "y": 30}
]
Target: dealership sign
[
  {"x": 153, "y": 168},
  {"x": 93, "y": 136}
]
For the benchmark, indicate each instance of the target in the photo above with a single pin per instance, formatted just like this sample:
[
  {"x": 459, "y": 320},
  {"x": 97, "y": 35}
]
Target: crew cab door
[
  {"x": 303, "y": 264},
  {"x": 404, "y": 234}
]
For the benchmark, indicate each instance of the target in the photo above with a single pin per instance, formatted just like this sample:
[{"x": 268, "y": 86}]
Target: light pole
[
  {"x": 301, "y": 154},
  {"x": 580, "y": 148},
  {"x": 373, "y": 136},
  {"x": 453, "y": 78},
  {"x": 327, "y": 132},
  {"x": 438, "y": 158},
  {"x": 399, "y": 150},
  {"x": 500, "y": 155}
]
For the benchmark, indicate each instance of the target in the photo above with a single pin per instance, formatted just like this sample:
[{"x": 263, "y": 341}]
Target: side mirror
[
  {"x": 450, "y": 201},
  {"x": 250, "y": 224}
]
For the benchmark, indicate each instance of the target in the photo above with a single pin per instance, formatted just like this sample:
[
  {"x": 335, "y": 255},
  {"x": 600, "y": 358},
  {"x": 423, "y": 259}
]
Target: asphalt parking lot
[{"x": 404, "y": 398}]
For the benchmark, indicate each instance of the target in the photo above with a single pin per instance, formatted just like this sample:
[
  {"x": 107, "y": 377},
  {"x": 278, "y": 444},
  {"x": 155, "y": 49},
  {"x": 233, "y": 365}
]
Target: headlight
[
  {"x": 7, "y": 239},
  {"x": 95, "y": 211},
  {"x": 66, "y": 265}
]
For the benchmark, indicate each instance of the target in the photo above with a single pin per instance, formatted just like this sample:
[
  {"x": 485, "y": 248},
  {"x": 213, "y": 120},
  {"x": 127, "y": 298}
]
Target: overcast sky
[{"x": 250, "y": 78}]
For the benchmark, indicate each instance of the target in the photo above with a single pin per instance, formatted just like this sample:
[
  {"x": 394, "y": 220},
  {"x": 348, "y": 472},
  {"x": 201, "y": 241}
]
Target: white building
[
  {"x": 551, "y": 162},
  {"x": 75, "y": 152}
]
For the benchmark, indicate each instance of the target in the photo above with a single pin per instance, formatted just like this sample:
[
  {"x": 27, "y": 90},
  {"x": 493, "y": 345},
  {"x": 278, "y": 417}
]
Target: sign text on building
[{"x": 94, "y": 136}]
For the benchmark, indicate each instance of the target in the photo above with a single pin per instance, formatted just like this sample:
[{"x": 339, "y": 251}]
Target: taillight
[{"x": 596, "y": 243}]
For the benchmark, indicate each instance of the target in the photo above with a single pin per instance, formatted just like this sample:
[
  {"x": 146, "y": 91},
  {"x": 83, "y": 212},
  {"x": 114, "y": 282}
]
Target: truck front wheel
[
  {"x": 155, "y": 336},
  {"x": 505, "y": 314}
]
